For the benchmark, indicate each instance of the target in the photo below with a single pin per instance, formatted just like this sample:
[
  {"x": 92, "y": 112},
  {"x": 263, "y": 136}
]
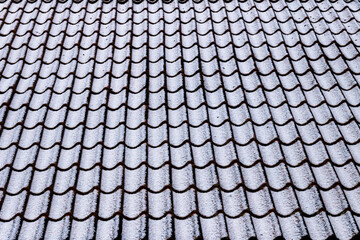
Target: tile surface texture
[{"x": 179, "y": 120}]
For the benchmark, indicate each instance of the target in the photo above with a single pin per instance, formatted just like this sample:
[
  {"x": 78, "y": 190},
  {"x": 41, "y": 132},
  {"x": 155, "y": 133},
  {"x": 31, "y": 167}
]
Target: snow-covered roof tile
[{"x": 196, "y": 119}]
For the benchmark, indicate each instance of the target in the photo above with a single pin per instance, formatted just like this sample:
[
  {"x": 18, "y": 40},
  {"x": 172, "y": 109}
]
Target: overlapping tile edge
[{"x": 183, "y": 120}]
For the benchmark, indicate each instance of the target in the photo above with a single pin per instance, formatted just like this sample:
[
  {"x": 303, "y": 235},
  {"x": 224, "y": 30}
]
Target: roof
[{"x": 189, "y": 120}]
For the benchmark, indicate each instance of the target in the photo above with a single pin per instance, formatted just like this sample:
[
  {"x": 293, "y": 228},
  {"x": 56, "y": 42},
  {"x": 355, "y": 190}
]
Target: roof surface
[{"x": 183, "y": 120}]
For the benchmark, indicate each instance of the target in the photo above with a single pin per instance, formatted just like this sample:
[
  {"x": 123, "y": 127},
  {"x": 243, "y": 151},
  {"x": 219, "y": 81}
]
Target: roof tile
[{"x": 160, "y": 120}]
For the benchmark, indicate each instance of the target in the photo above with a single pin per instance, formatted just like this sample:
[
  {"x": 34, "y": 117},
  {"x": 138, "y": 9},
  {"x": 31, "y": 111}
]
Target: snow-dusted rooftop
[{"x": 179, "y": 120}]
